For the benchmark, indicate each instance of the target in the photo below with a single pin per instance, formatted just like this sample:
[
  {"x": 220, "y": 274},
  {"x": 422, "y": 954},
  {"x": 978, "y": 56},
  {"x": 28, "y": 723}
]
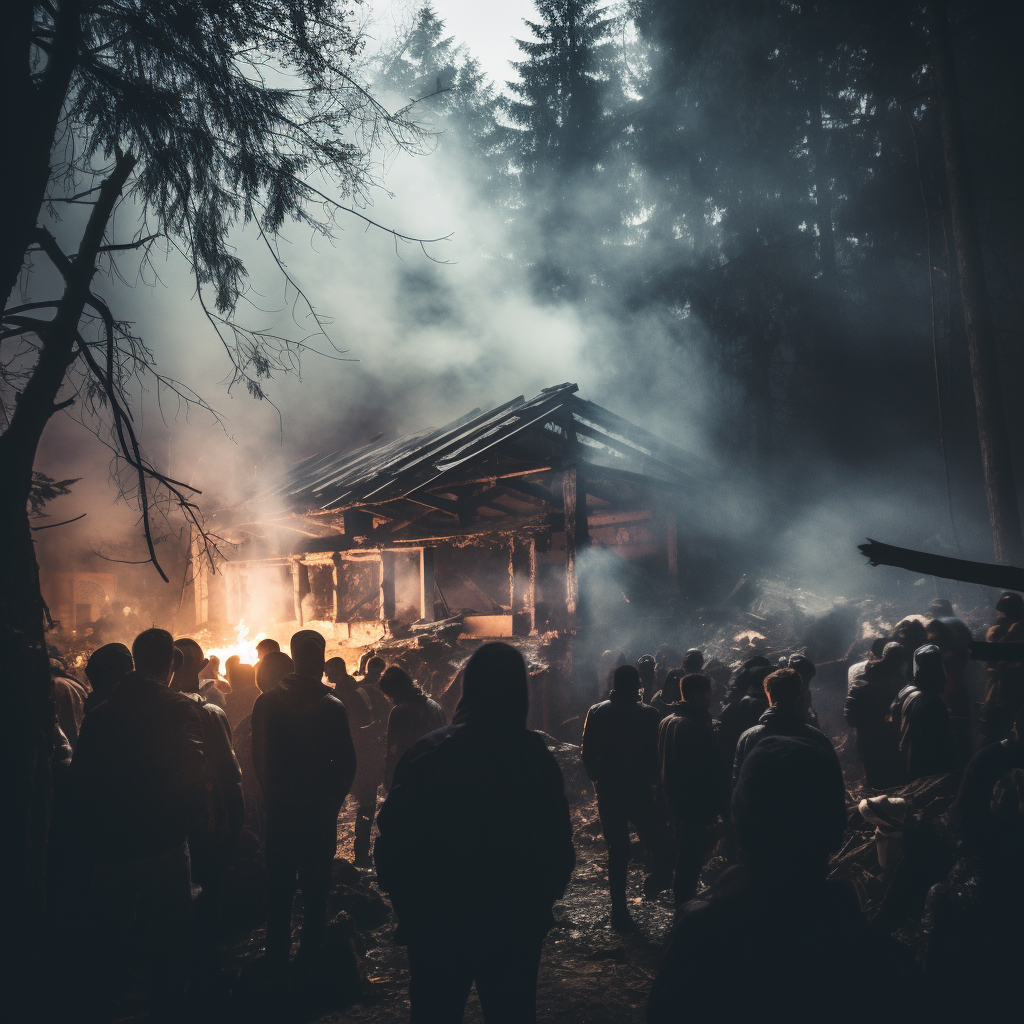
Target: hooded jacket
[
  {"x": 413, "y": 716},
  {"x": 475, "y": 836},
  {"x": 302, "y": 749},
  {"x": 695, "y": 779},
  {"x": 620, "y": 743},
  {"x": 777, "y": 721},
  {"x": 926, "y": 745}
]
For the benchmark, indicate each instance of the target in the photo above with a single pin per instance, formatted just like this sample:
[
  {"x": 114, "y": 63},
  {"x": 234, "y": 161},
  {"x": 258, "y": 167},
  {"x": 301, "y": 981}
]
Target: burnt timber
[{"x": 537, "y": 482}]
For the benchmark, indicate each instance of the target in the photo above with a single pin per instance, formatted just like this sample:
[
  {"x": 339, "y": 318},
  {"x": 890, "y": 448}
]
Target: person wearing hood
[
  {"x": 926, "y": 742},
  {"x": 475, "y": 847},
  {"x": 414, "y": 715},
  {"x": 305, "y": 763},
  {"x": 866, "y": 711},
  {"x": 695, "y": 781},
  {"x": 140, "y": 777},
  {"x": 620, "y": 755},
  {"x": 106, "y": 667},
  {"x": 785, "y": 716},
  {"x": 774, "y": 937},
  {"x": 745, "y": 703}
]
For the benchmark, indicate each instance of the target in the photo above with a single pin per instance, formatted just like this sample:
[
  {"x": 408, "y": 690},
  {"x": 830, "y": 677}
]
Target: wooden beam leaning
[
  {"x": 577, "y": 536},
  {"x": 387, "y": 585},
  {"x": 427, "y": 584},
  {"x": 987, "y": 574}
]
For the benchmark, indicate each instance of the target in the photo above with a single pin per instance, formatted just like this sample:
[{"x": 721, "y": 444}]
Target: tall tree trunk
[{"x": 1000, "y": 486}]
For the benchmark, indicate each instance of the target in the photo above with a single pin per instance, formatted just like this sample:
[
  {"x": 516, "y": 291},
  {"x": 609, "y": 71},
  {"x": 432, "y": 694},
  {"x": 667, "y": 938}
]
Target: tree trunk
[{"x": 1000, "y": 486}]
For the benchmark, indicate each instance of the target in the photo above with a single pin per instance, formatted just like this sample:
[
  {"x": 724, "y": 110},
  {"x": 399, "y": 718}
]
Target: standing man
[
  {"x": 1005, "y": 678},
  {"x": 304, "y": 761},
  {"x": 695, "y": 780},
  {"x": 620, "y": 755},
  {"x": 414, "y": 715},
  {"x": 139, "y": 774}
]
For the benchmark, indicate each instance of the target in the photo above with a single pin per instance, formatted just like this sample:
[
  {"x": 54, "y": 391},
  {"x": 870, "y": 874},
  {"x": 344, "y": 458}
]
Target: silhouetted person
[
  {"x": 106, "y": 667},
  {"x": 606, "y": 666},
  {"x": 648, "y": 677},
  {"x": 666, "y": 658},
  {"x": 693, "y": 662},
  {"x": 305, "y": 763},
  {"x": 620, "y": 755},
  {"x": 413, "y": 715},
  {"x": 806, "y": 670},
  {"x": 240, "y": 700},
  {"x": 140, "y": 775},
  {"x": 774, "y": 939},
  {"x": 669, "y": 694},
  {"x": 475, "y": 847},
  {"x": 69, "y": 697},
  {"x": 266, "y": 646},
  {"x": 214, "y": 842},
  {"x": 866, "y": 711},
  {"x": 1005, "y": 678},
  {"x": 745, "y": 703},
  {"x": 785, "y": 716},
  {"x": 695, "y": 780},
  {"x": 926, "y": 742},
  {"x": 956, "y": 655},
  {"x": 367, "y": 715}
]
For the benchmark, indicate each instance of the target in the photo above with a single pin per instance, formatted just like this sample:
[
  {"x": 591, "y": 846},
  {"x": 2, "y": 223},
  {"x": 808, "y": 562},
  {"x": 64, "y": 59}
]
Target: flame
[{"x": 244, "y": 647}]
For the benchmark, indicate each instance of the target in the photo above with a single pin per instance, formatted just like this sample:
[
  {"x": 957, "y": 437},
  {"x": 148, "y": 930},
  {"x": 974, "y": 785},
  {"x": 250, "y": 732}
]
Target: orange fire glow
[{"x": 244, "y": 647}]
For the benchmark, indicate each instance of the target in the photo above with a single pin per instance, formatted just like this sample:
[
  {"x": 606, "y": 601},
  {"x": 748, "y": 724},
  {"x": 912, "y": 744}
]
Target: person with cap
[
  {"x": 140, "y": 775},
  {"x": 413, "y": 715},
  {"x": 106, "y": 667},
  {"x": 475, "y": 847},
  {"x": 784, "y": 716},
  {"x": 620, "y": 755},
  {"x": 694, "y": 778},
  {"x": 806, "y": 670},
  {"x": 926, "y": 744},
  {"x": 866, "y": 711},
  {"x": 773, "y": 936},
  {"x": 364, "y": 716},
  {"x": 1005, "y": 692},
  {"x": 305, "y": 763},
  {"x": 745, "y": 703},
  {"x": 214, "y": 842}
]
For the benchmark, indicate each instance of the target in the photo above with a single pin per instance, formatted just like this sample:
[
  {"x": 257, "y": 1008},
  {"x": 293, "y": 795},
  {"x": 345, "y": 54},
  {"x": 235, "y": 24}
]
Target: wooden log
[
  {"x": 339, "y": 589},
  {"x": 300, "y": 575},
  {"x": 986, "y": 574},
  {"x": 387, "y": 586},
  {"x": 523, "y": 585},
  {"x": 577, "y": 536},
  {"x": 427, "y": 584}
]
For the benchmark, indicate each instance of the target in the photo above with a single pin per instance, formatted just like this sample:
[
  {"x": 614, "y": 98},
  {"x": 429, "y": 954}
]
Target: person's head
[
  {"x": 645, "y": 666},
  {"x": 626, "y": 681},
  {"x": 336, "y": 671},
  {"x": 893, "y": 655},
  {"x": 940, "y": 634},
  {"x": 877, "y": 647},
  {"x": 212, "y": 669},
  {"x": 186, "y": 677},
  {"x": 266, "y": 646},
  {"x": 910, "y": 632},
  {"x": 273, "y": 667},
  {"x": 789, "y": 809},
  {"x": 495, "y": 693},
  {"x": 1011, "y": 607},
  {"x": 804, "y": 668},
  {"x": 941, "y": 608},
  {"x": 107, "y": 666},
  {"x": 375, "y": 667},
  {"x": 395, "y": 683},
  {"x": 693, "y": 661},
  {"x": 308, "y": 649},
  {"x": 666, "y": 658},
  {"x": 929, "y": 672},
  {"x": 670, "y": 689},
  {"x": 784, "y": 689},
  {"x": 695, "y": 689},
  {"x": 153, "y": 654}
]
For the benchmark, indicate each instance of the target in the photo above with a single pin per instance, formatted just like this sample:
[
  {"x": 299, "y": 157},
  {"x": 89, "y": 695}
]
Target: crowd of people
[{"x": 159, "y": 765}]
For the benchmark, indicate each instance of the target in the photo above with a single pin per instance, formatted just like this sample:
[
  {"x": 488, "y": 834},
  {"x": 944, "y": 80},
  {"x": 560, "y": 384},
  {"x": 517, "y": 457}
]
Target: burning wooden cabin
[{"x": 491, "y": 520}]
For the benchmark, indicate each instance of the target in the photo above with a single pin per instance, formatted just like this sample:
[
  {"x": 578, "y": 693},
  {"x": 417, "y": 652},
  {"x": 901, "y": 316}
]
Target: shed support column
[
  {"x": 427, "y": 584},
  {"x": 577, "y": 535},
  {"x": 300, "y": 587},
  {"x": 387, "y": 586},
  {"x": 523, "y": 570},
  {"x": 340, "y": 586}
]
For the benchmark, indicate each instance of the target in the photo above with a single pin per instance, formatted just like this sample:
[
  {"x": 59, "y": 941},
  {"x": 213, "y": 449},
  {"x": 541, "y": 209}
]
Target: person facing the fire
[
  {"x": 305, "y": 762},
  {"x": 921, "y": 719},
  {"x": 475, "y": 847},
  {"x": 1005, "y": 678},
  {"x": 620, "y": 755},
  {"x": 414, "y": 715},
  {"x": 695, "y": 780}
]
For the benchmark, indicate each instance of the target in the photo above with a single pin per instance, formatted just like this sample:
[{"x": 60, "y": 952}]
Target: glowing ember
[{"x": 244, "y": 647}]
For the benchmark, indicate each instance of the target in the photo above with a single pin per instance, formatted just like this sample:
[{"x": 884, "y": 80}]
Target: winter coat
[
  {"x": 694, "y": 777},
  {"x": 777, "y": 722},
  {"x": 736, "y": 718},
  {"x": 620, "y": 744},
  {"x": 926, "y": 743},
  {"x": 302, "y": 749},
  {"x": 866, "y": 710},
  {"x": 412, "y": 717},
  {"x": 139, "y": 770}
]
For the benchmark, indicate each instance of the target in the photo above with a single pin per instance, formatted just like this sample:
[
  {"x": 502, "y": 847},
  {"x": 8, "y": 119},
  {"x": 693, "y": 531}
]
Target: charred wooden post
[
  {"x": 577, "y": 534},
  {"x": 523, "y": 584},
  {"x": 387, "y": 586},
  {"x": 300, "y": 587},
  {"x": 339, "y": 590},
  {"x": 427, "y": 584}
]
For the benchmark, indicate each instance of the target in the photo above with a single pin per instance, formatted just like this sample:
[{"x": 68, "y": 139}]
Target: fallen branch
[{"x": 986, "y": 574}]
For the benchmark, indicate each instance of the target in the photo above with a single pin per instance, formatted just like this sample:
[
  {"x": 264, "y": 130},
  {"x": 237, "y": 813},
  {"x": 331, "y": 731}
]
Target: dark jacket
[
  {"x": 777, "y": 722},
  {"x": 620, "y": 744},
  {"x": 368, "y": 715},
  {"x": 413, "y": 716},
  {"x": 866, "y": 710},
  {"x": 926, "y": 741},
  {"x": 817, "y": 931},
  {"x": 972, "y": 812},
  {"x": 302, "y": 749},
  {"x": 737, "y": 717},
  {"x": 694, "y": 777},
  {"x": 139, "y": 770},
  {"x": 475, "y": 835}
]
